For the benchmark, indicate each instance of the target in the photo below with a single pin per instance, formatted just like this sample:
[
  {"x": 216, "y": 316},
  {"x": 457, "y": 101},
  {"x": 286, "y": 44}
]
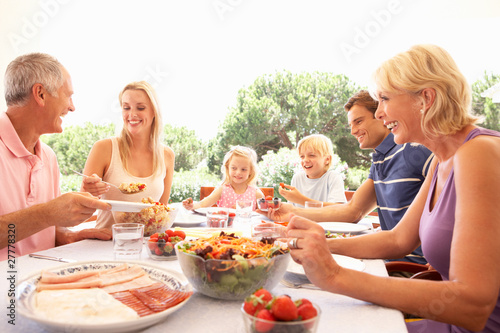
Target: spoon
[{"x": 123, "y": 191}]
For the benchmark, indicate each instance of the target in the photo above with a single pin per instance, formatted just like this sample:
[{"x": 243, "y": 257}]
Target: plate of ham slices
[{"x": 102, "y": 296}]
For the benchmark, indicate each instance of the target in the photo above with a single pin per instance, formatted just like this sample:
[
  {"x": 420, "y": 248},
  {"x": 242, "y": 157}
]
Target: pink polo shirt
[{"x": 26, "y": 180}]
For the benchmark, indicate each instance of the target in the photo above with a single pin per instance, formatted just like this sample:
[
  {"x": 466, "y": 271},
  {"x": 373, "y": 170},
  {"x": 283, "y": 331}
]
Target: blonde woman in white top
[{"x": 135, "y": 156}]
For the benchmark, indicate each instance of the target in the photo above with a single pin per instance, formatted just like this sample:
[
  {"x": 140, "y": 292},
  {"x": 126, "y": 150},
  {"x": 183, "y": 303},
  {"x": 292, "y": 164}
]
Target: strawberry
[
  {"x": 307, "y": 311},
  {"x": 252, "y": 305},
  {"x": 264, "y": 295},
  {"x": 179, "y": 233},
  {"x": 302, "y": 301},
  {"x": 283, "y": 308},
  {"x": 158, "y": 252},
  {"x": 282, "y": 185},
  {"x": 269, "y": 197},
  {"x": 152, "y": 246},
  {"x": 264, "y": 325},
  {"x": 168, "y": 247},
  {"x": 169, "y": 232}
]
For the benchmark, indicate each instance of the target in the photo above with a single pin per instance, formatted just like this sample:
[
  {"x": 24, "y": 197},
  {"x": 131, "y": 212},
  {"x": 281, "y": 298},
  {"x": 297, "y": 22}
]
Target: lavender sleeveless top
[
  {"x": 436, "y": 234},
  {"x": 228, "y": 197}
]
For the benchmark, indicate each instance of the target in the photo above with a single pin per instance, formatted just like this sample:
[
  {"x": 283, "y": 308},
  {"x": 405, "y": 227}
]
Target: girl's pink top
[{"x": 228, "y": 197}]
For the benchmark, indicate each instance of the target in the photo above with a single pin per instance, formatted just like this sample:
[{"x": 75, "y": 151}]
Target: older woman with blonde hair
[
  {"x": 425, "y": 99},
  {"x": 135, "y": 156}
]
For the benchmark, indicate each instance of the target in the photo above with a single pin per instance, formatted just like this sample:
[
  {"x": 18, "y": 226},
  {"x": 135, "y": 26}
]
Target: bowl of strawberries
[
  {"x": 268, "y": 202},
  {"x": 265, "y": 312},
  {"x": 161, "y": 246}
]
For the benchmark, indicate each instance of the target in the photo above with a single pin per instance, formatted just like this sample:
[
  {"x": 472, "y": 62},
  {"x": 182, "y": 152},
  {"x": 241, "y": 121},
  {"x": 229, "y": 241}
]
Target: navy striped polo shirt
[{"x": 397, "y": 172}]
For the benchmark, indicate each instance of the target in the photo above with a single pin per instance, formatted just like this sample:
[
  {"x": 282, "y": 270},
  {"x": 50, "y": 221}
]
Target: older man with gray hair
[{"x": 33, "y": 213}]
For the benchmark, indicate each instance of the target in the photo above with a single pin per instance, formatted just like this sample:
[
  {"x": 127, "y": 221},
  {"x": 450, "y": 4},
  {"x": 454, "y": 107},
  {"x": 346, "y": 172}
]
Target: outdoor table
[{"x": 205, "y": 314}]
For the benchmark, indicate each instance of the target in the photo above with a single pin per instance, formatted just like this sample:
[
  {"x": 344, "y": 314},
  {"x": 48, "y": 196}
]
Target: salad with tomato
[{"x": 230, "y": 267}]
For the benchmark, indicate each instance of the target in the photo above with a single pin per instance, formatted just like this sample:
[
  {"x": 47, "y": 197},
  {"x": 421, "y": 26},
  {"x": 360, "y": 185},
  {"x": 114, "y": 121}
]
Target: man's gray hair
[{"x": 27, "y": 70}]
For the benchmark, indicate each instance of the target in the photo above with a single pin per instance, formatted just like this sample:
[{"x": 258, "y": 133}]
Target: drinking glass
[
  {"x": 314, "y": 204},
  {"x": 217, "y": 217},
  {"x": 244, "y": 210},
  {"x": 127, "y": 241}
]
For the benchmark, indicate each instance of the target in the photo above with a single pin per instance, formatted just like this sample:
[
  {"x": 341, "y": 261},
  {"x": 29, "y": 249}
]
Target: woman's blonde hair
[
  {"x": 240, "y": 151},
  {"x": 319, "y": 143},
  {"x": 430, "y": 66},
  {"x": 125, "y": 140}
]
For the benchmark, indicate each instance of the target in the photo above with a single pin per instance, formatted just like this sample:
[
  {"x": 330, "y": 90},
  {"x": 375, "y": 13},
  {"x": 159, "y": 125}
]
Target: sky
[{"x": 198, "y": 54}]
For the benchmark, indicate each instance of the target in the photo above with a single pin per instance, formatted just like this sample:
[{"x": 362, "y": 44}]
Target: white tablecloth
[{"x": 205, "y": 314}]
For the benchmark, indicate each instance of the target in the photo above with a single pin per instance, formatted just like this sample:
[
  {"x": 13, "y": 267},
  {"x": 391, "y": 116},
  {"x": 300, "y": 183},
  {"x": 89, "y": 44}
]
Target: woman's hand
[
  {"x": 312, "y": 251},
  {"x": 94, "y": 185}
]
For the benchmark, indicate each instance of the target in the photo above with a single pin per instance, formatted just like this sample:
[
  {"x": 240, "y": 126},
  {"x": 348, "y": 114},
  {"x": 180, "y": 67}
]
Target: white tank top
[{"x": 116, "y": 174}]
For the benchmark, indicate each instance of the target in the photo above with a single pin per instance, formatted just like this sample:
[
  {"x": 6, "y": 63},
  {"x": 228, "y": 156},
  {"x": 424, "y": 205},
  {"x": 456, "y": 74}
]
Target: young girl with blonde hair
[{"x": 239, "y": 169}]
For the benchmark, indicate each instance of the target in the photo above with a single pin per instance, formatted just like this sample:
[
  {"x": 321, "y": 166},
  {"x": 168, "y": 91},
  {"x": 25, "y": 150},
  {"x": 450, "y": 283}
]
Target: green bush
[
  {"x": 355, "y": 177},
  {"x": 278, "y": 167},
  {"x": 70, "y": 183},
  {"x": 186, "y": 184}
]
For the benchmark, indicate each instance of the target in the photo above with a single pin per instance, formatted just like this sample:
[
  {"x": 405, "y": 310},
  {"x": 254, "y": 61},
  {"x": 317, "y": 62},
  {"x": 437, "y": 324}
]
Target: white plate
[
  {"x": 344, "y": 261},
  {"x": 344, "y": 227},
  {"x": 189, "y": 219},
  {"x": 204, "y": 210},
  {"x": 26, "y": 291},
  {"x": 125, "y": 206}
]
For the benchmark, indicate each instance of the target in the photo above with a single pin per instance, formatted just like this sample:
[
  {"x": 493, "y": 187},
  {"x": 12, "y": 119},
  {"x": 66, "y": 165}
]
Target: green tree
[
  {"x": 484, "y": 106},
  {"x": 73, "y": 145},
  {"x": 278, "y": 110},
  {"x": 188, "y": 149}
]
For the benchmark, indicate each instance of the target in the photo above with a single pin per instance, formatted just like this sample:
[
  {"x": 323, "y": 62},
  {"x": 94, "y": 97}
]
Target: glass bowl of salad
[
  {"x": 157, "y": 218},
  {"x": 231, "y": 267}
]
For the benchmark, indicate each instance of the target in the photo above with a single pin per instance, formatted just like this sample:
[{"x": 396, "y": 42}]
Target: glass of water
[
  {"x": 244, "y": 210},
  {"x": 127, "y": 240}
]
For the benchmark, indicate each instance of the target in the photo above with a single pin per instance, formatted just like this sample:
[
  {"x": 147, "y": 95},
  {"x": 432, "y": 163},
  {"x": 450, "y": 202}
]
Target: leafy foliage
[
  {"x": 73, "y": 145},
  {"x": 355, "y": 177},
  {"x": 277, "y": 167},
  {"x": 188, "y": 149},
  {"x": 484, "y": 106},
  {"x": 186, "y": 184},
  {"x": 278, "y": 110}
]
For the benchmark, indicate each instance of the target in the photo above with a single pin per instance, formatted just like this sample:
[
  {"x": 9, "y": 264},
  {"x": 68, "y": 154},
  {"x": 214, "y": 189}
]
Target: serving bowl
[
  {"x": 256, "y": 325},
  {"x": 231, "y": 279},
  {"x": 157, "y": 218},
  {"x": 160, "y": 246},
  {"x": 265, "y": 204}
]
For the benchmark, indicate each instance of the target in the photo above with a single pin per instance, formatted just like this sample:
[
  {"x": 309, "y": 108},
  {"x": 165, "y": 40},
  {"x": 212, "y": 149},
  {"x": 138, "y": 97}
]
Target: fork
[
  {"x": 102, "y": 181},
  {"x": 297, "y": 285}
]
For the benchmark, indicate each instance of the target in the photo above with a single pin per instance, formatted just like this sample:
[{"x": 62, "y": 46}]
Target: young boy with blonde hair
[{"x": 316, "y": 181}]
